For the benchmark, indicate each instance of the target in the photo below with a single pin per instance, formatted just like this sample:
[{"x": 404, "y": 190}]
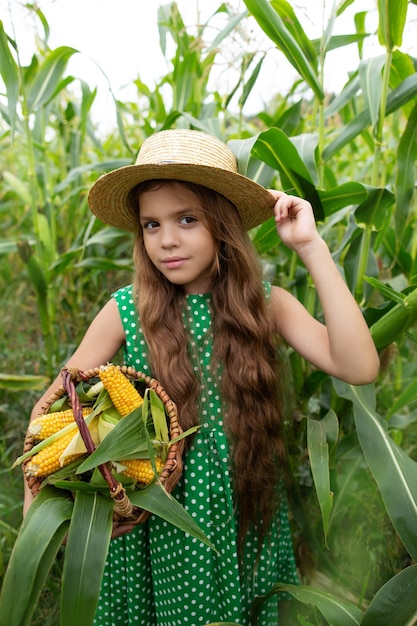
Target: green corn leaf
[
  {"x": 146, "y": 414},
  {"x": 354, "y": 273},
  {"x": 125, "y": 438},
  {"x": 248, "y": 165},
  {"x": 155, "y": 499},
  {"x": 87, "y": 101},
  {"x": 370, "y": 76},
  {"x": 289, "y": 18},
  {"x": 407, "y": 397},
  {"x": 406, "y": 174},
  {"x": 405, "y": 92},
  {"x": 395, "y": 602},
  {"x": 43, "y": 21},
  {"x": 18, "y": 187},
  {"x": 105, "y": 264},
  {"x": 360, "y": 23},
  {"x": 343, "y": 99},
  {"x": 10, "y": 74},
  {"x": 392, "y": 17},
  {"x": 22, "y": 382},
  {"x": 186, "y": 433},
  {"x": 250, "y": 82},
  {"x": 48, "y": 77},
  {"x": 85, "y": 557},
  {"x": 242, "y": 149},
  {"x": 225, "y": 32},
  {"x": 402, "y": 67},
  {"x": 306, "y": 145},
  {"x": 351, "y": 130},
  {"x": 275, "y": 28},
  {"x": 375, "y": 210},
  {"x": 318, "y": 433},
  {"x": 6, "y": 247},
  {"x": 102, "y": 166},
  {"x": 334, "y": 610},
  {"x": 266, "y": 237},
  {"x": 334, "y": 42},
  {"x": 347, "y": 194},
  {"x": 35, "y": 550},
  {"x": 275, "y": 148},
  {"x": 78, "y": 485},
  {"x": 396, "y": 296},
  {"x": 394, "y": 472},
  {"x": 159, "y": 417},
  {"x": 279, "y": 152},
  {"x": 105, "y": 237}
]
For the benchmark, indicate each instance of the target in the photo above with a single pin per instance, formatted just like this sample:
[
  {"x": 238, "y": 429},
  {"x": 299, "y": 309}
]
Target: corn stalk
[{"x": 375, "y": 88}]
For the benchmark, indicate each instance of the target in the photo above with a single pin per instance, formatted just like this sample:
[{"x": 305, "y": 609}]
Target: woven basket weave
[{"x": 124, "y": 511}]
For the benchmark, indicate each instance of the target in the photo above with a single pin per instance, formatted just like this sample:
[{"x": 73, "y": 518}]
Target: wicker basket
[{"x": 124, "y": 511}]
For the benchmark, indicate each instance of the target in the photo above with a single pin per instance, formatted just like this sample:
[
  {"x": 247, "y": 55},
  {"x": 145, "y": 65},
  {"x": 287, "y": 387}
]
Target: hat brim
[{"x": 108, "y": 198}]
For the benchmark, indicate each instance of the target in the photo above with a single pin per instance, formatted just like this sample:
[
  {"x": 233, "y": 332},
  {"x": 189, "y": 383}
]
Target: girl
[{"x": 200, "y": 319}]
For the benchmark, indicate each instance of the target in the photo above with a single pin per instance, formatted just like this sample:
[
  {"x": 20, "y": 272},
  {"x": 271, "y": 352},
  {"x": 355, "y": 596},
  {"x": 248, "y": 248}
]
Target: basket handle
[{"x": 122, "y": 504}]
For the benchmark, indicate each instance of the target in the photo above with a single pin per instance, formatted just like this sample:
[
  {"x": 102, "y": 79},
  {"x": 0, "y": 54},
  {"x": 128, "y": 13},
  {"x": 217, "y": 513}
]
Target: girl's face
[{"x": 176, "y": 236}]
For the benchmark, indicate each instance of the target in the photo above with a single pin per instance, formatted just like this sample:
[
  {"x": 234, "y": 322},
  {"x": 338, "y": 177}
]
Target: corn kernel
[
  {"x": 47, "y": 461},
  {"x": 46, "y": 425},
  {"x": 121, "y": 391},
  {"x": 141, "y": 469}
]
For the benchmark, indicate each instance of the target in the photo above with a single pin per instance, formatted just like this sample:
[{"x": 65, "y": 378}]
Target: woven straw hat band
[{"x": 173, "y": 146}]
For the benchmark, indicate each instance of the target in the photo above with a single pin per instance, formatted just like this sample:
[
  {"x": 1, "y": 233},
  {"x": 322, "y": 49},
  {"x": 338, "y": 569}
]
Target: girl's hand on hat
[{"x": 295, "y": 221}]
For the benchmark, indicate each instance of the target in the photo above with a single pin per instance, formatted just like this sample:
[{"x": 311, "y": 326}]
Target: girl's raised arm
[{"x": 342, "y": 346}]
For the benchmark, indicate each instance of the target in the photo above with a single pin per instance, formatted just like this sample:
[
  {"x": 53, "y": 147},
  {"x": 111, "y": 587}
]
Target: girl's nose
[{"x": 169, "y": 238}]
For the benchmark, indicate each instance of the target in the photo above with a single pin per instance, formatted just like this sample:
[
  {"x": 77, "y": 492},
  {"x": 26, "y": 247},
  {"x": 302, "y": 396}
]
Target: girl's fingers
[
  {"x": 288, "y": 205},
  {"x": 281, "y": 205}
]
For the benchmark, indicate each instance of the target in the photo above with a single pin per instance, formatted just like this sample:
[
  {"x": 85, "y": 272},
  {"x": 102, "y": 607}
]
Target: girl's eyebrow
[{"x": 185, "y": 211}]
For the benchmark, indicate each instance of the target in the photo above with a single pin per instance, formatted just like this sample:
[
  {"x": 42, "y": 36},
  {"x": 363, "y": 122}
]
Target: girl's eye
[
  {"x": 187, "y": 219},
  {"x": 150, "y": 225}
]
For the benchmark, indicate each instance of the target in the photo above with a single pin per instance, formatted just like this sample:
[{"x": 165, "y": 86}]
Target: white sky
[{"x": 121, "y": 36}]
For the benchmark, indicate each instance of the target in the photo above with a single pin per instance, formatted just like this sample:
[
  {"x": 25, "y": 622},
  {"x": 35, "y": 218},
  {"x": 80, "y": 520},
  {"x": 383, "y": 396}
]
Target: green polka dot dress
[{"x": 159, "y": 575}]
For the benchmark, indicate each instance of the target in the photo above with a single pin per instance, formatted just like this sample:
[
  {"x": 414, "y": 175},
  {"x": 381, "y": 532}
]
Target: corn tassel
[
  {"x": 121, "y": 391},
  {"x": 45, "y": 425},
  {"x": 141, "y": 469},
  {"x": 47, "y": 461}
]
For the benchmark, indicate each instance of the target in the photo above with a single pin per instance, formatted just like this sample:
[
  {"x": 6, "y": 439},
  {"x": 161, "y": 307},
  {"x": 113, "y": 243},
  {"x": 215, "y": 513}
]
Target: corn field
[{"x": 352, "y": 450}]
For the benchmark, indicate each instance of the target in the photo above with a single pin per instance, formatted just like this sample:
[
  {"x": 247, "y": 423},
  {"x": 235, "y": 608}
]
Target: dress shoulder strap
[{"x": 135, "y": 349}]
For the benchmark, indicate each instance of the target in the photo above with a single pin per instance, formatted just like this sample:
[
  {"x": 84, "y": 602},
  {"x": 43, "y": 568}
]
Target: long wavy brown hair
[{"x": 244, "y": 345}]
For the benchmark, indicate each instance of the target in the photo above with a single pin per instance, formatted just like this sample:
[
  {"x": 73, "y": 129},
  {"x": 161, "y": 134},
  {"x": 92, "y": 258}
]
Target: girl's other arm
[{"x": 343, "y": 346}]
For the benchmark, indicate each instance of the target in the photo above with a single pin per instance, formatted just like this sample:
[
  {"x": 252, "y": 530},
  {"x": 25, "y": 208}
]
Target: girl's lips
[{"x": 174, "y": 262}]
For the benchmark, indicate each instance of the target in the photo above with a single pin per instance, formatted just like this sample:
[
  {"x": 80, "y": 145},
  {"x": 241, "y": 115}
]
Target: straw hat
[{"x": 183, "y": 155}]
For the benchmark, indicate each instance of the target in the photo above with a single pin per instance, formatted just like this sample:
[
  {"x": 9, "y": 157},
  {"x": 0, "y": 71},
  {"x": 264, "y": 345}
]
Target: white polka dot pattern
[{"x": 159, "y": 576}]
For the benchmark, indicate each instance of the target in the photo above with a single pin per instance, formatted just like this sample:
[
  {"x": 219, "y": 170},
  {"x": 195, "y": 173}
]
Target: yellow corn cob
[
  {"x": 141, "y": 469},
  {"x": 122, "y": 392},
  {"x": 46, "y": 461},
  {"x": 45, "y": 425}
]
